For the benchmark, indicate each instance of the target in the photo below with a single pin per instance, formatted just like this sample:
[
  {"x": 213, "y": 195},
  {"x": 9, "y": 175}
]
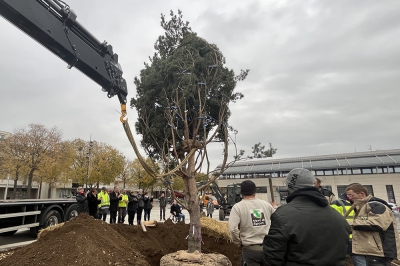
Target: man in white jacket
[{"x": 253, "y": 216}]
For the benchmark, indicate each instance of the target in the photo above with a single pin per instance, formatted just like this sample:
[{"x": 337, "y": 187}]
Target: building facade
[{"x": 378, "y": 170}]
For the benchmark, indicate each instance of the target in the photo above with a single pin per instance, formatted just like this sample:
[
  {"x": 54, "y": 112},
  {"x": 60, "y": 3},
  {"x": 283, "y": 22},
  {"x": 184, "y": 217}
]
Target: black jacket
[
  {"x": 114, "y": 200},
  {"x": 132, "y": 203},
  {"x": 82, "y": 203},
  {"x": 162, "y": 201},
  {"x": 147, "y": 202},
  {"x": 306, "y": 231},
  {"x": 92, "y": 203},
  {"x": 176, "y": 208}
]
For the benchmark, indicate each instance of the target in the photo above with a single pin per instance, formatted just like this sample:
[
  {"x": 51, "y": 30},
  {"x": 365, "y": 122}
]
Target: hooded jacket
[
  {"x": 82, "y": 203},
  {"x": 375, "y": 229},
  {"x": 306, "y": 231}
]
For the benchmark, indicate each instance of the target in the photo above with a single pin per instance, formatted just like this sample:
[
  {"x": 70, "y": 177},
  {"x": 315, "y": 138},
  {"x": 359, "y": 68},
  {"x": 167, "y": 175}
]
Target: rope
[{"x": 148, "y": 169}]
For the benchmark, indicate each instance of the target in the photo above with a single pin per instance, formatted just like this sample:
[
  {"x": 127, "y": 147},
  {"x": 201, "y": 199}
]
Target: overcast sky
[{"x": 324, "y": 75}]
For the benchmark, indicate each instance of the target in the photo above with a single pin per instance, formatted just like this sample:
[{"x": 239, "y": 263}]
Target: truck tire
[
  {"x": 221, "y": 214},
  {"x": 9, "y": 233},
  {"x": 71, "y": 212},
  {"x": 52, "y": 218}
]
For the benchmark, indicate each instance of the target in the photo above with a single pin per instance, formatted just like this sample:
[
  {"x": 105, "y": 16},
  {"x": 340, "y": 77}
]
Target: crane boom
[{"x": 53, "y": 24}]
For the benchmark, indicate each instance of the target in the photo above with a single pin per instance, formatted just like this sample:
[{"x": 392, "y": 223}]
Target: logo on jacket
[
  {"x": 257, "y": 217},
  {"x": 293, "y": 181}
]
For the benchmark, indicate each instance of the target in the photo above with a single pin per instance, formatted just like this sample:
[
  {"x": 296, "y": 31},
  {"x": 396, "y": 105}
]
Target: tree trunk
[
  {"x": 29, "y": 189},
  {"x": 194, "y": 239},
  {"x": 14, "y": 195},
  {"x": 48, "y": 191}
]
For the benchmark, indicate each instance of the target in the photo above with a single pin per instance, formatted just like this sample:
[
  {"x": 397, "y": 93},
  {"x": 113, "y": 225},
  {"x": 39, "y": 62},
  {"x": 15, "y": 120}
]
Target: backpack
[{"x": 210, "y": 205}]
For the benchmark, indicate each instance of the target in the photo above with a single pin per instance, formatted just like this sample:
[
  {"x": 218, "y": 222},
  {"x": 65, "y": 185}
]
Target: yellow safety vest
[
  {"x": 342, "y": 209},
  {"x": 105, "y": 199},
  {"x": 123, "y": 201}
]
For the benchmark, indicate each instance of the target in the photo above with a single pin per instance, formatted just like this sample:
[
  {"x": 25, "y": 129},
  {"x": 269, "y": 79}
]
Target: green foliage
[
  {"x": 105, "y": 163},
  {"x": 185, "y": 92},
  {"x": 258, "y": 152},
  {"x": 138, "y": 176}
]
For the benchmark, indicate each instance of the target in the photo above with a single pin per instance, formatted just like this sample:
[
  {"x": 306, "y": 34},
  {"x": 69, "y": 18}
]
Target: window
[
  {"x": 328, "y": 172},
  {"x": 390, "y": 194},
  {"x": 341, "y": 189},
  {"x": 366, "y": 170},
  {"x": 370, "y": 189},
  {"x": 356, "y": 171},
  {"x": 397, "y": 169},
  {"x": 261, "y": 190},
  {"x": 382, "y": 170},
  {"x": 319, "y": 172},
  {"x": 337, "y": 172}
]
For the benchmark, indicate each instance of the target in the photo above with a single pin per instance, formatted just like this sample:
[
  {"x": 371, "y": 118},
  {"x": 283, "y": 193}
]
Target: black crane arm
[{"x": 53, "y": 24}]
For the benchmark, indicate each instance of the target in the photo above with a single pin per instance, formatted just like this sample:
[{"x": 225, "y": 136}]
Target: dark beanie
[{"x": 247, "y": 188}]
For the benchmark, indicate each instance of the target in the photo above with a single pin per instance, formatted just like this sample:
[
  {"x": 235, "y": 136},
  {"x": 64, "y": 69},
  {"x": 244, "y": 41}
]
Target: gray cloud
[{"x": 323, "y": 74}]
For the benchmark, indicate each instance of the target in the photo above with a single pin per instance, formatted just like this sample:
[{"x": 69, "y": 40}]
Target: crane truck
[
  {"x": 225, "y": 201},
  {"x": 53, "y": 24}
]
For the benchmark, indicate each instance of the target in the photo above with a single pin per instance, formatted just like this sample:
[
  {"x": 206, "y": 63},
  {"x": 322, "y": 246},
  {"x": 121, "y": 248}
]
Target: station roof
[{"x": 319, "y": 162}]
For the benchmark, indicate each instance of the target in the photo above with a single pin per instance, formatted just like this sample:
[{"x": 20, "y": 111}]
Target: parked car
[{"x": 395, "y": 208}]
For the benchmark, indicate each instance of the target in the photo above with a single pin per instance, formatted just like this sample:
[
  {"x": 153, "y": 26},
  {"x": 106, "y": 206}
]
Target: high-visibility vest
[
  {"x": 122, "y": 203},
  {"x": 105, "y": 199},
  {"x": 342, "y": 206}
]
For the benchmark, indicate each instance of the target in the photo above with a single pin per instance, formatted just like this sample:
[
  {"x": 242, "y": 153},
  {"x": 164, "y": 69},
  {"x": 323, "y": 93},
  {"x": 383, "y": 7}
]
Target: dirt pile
[{"x": 85, "y": 241}]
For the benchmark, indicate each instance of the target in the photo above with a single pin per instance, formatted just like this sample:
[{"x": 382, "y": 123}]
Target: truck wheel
[
  {"x": 52, "y": 218},
  {"x": 71, "y": 212},
  {"x": 221, "y": 214},
  {"x": 9, "y": 233}
]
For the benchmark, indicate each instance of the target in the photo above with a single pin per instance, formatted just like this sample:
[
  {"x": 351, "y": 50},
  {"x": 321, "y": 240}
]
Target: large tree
[
  {"x": 138, "y": 175},
  {"x": 55, "y": 165},
  {"x": 15, "y": 159},
  {"x": 182, "y": 101},
  {"x": 96, "y": 161},
  {"x": 33, "y": 145}
]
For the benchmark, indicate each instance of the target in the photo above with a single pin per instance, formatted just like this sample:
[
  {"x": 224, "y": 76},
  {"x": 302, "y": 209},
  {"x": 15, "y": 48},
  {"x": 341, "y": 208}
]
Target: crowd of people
[
  {"x": 118, "y": 204},
  {"x": 308, "y": 230}
]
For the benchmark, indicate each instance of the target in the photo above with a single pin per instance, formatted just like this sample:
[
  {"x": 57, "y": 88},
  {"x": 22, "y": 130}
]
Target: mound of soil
[{"x": 85, "y": 241}]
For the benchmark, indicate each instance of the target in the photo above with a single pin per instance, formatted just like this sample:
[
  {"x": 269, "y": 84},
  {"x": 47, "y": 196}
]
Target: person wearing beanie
[
  {"x": 306, "y": 230},
  {"x": 252, "y": 215}
]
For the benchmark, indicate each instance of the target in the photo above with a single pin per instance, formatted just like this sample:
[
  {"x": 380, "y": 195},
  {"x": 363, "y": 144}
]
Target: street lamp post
[
  {"x": 88, "y": 162},
  {"x": 6, "y": 191}
]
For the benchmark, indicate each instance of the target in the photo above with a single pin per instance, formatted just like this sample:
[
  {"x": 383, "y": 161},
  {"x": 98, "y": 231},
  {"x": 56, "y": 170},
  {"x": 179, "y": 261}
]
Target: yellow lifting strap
[{"x": 148, "y": 169}]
